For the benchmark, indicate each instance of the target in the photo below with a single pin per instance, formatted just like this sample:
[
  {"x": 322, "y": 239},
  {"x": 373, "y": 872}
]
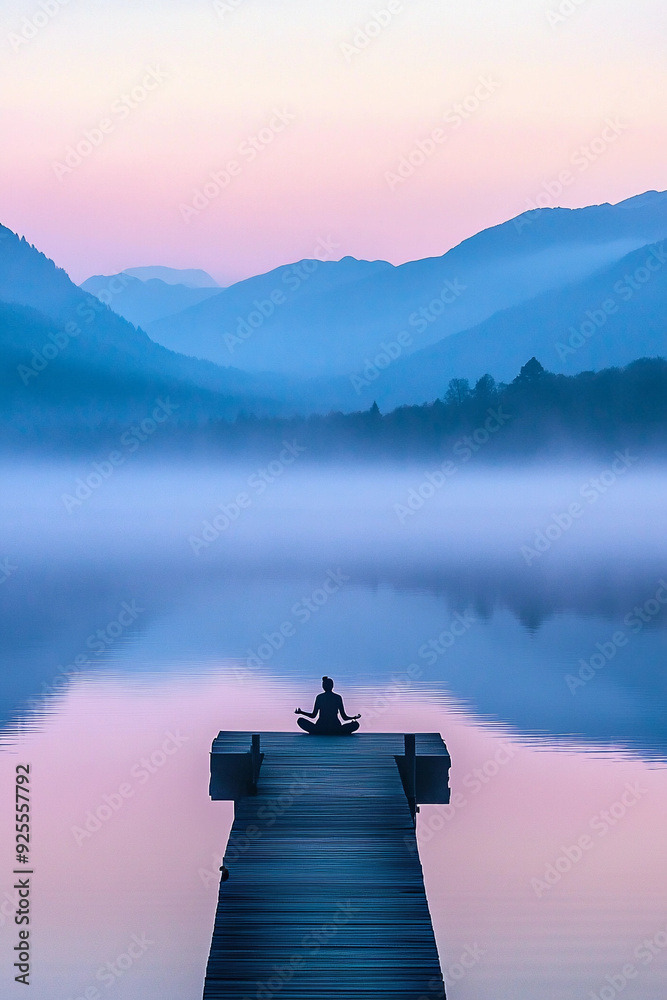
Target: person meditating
[{"x": 328, "y": 706}]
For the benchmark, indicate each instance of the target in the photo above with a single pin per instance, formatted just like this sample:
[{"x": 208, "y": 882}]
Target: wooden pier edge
[{"x": 325, "y": 898}]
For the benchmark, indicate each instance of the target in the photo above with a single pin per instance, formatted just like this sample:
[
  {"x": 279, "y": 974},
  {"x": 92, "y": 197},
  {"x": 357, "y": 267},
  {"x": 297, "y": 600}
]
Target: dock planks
[{"x": 325, "y": 899}]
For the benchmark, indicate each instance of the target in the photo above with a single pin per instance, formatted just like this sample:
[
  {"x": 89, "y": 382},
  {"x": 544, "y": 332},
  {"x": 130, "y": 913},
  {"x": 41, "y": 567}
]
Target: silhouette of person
[{"x": 328, "y": 706}]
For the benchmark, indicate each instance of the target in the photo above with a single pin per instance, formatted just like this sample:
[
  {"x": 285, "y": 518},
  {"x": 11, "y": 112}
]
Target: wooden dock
[{"x": 325, "y": 898}]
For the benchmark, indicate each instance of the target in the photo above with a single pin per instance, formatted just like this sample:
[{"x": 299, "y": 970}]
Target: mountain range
[
  {"x": 315, "y": 318},
  {"x": 580, "y": 289},
  {"x": 67, "y": 359},
  {"x": 142, "y": 301}
]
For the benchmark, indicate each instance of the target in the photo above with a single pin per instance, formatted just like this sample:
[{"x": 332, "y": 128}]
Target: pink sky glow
[{"x": 119, "y": 113}]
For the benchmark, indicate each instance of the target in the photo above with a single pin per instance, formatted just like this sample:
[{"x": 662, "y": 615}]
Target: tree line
[{"x": 538, "y": 413}]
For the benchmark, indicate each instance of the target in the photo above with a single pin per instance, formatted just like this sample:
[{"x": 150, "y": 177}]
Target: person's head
[{"x": 327, "y": 684}]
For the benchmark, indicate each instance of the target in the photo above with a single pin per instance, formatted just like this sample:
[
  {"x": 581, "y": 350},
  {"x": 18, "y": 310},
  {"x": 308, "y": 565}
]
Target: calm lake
[{"x": 521, "y": 614}]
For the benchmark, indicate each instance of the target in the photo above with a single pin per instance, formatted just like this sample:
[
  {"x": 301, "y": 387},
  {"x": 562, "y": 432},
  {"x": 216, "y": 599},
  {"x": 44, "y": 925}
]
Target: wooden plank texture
[{"x": 325, "y": 899}]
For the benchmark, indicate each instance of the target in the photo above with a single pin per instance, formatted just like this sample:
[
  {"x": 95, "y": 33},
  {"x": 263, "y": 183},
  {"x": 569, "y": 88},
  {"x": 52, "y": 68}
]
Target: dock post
[
  {"x": 411, "y": 773},
  {"x": 256, "y": 760}
]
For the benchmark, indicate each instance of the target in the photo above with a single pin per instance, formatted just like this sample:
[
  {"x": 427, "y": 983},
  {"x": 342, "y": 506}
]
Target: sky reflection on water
[{"x": 419, "y": 635}]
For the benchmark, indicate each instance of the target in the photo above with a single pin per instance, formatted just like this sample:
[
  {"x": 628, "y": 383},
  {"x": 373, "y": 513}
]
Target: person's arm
[
  {"x": 310, "y": 715},
  {"x": 344, "y": 717}
]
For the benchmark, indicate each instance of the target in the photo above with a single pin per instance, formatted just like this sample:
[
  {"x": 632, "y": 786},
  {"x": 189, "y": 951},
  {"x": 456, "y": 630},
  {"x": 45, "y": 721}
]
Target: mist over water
[
  {"x": 548, "y": 562},
  {"x": 518, "y": 611},
  {"x": 294, "y": 511}
]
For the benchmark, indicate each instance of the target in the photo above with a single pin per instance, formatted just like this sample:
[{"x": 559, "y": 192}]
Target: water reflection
[
  {"x": 127, "y": 844},
  {"x": 568, "y": 657},
  {"x": 115, "y": 637}
]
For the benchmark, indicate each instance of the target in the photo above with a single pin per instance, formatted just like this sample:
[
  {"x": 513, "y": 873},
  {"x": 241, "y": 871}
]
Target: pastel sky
[{"x": 337, "y": 94}]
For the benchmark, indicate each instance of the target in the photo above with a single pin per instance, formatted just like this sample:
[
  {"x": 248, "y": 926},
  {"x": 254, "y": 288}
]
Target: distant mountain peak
[
  {"x": 142, "y": 301},
  {"x": 191, "y": 277}
]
